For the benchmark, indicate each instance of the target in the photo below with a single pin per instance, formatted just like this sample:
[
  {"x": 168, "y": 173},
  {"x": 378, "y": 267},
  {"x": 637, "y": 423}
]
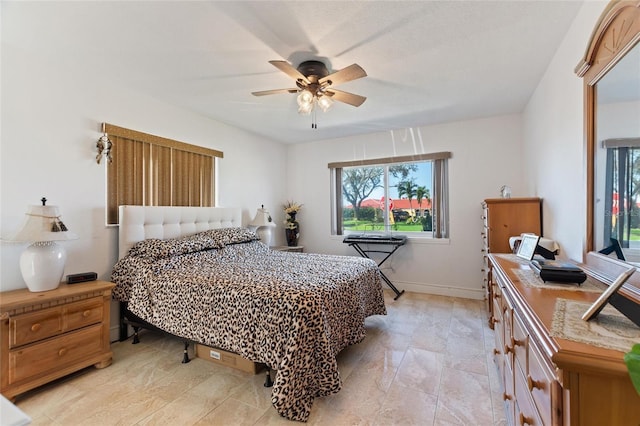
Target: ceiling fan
[{"x": 315, "y": 85}]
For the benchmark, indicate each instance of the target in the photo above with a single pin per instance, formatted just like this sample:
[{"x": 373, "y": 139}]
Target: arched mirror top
[
  {"x": 615, "y": 36},
  {"x": 616, "y": 32}
]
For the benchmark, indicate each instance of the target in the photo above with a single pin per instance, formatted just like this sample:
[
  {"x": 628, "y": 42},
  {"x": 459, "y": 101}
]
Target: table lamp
[
  {"x": 42, "y": 263},
  {"x": 263, "y": 224}
]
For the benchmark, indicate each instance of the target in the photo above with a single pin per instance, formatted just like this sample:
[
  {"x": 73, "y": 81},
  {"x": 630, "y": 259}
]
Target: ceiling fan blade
[
  {"x": 273, "y": 92},
  {"x": 288, "y": 69},
  {"x": 349, "y": 73},
  {"x": 346, "y": 97}
]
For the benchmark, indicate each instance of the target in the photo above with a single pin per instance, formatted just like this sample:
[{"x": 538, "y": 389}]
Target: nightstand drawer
[
  {"x": 50, "y": 322},
  {"x": 81, "y": 314},
  {"x": 55, "y": 354},
  {"x": 35, "y": 326}
]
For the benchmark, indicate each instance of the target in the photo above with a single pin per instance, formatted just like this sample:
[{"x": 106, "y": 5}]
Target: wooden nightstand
[
  {"x": 47, "y": 335},
  {"x": 297, "y": 249}
]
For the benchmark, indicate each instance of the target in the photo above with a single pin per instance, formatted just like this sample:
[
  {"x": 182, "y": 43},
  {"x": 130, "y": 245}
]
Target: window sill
[{"x": 411, "y": 239}]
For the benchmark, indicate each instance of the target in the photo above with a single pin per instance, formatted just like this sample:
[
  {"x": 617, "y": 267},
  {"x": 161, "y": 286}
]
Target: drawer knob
[
  {"x": 86, "y": 313},
  {"x": 516, "y": 342},
  {"x": 524, "y": 420},
  {"x": 62, "y": 352},
  {"x": 507, "y": 349},
  {"x": 495, "y": 320},
  {"x": 534, "y": 384},
  {"x": 496, "y": 351},
  {"x": 36, "y": 327},
  {"x": 506, "y": 396}
]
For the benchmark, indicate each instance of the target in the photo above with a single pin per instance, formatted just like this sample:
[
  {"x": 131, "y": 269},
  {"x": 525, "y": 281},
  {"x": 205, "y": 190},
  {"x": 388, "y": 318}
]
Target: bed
[{"x": 198, "y": 274}]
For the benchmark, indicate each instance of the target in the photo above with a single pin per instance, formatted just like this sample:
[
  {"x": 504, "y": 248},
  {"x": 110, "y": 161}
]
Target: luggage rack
[{"x": 396, "y": 241}]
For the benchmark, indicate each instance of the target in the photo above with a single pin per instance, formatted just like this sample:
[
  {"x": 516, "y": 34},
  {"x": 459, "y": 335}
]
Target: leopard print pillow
[
  {"x": 156, "y": 249},
  {"x": 227, "y": 236}
]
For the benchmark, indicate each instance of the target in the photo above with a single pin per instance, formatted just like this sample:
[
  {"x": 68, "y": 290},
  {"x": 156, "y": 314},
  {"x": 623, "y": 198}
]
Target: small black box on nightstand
[{"x": 81, "y": 277}]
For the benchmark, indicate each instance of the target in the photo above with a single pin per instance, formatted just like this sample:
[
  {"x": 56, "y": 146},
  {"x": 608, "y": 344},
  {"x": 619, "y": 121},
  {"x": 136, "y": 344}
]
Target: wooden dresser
[
  {"x": 47, "y": 335},
  {"x": 549, "y": 380}
]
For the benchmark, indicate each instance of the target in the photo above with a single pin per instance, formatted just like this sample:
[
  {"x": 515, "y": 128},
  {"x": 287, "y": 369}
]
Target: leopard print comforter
[{"x": 291, "y": 311}]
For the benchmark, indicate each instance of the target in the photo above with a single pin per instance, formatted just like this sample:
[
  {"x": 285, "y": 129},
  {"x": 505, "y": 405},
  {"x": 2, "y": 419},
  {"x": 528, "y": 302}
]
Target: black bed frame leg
[
  {"x": 268, "y": 382},
  {"x": 135, "y": 335},
  {"x": 185, "y": 357}
]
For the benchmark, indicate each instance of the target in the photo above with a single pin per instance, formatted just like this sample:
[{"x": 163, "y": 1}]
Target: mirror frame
[{"x": 616, "y": 32}]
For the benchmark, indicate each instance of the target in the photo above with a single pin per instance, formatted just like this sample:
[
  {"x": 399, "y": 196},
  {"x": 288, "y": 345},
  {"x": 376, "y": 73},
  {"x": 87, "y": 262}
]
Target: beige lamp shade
[{"x": 43, "y": 224}]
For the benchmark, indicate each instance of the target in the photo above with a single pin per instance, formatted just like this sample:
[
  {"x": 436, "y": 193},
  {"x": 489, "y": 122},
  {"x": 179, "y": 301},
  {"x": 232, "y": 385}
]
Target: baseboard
[{"x": 440, "y": 290}]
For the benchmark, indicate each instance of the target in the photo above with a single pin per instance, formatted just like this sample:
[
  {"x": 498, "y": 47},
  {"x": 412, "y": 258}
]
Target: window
[
  {"x": 622, "y": 190},
  {"x": 404, "y": 194},
  {"x": 149, "y": 170}
]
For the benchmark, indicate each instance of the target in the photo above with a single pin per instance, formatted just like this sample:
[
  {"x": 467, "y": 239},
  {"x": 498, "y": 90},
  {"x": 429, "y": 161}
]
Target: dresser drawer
[
  {"x": 40, "y": 325},
  {"x": 507, "y": 320},
  {"x": 55, "y": 354},
  {"x": 35, "y": 326},
  {"x": 540, "y": 381},
  {"x": 520, "y": 343},
  {"x": 526, "y": 411}
]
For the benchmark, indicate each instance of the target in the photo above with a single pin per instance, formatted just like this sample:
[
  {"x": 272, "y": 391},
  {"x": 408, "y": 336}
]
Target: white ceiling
[{"x": 427, "y": 61}]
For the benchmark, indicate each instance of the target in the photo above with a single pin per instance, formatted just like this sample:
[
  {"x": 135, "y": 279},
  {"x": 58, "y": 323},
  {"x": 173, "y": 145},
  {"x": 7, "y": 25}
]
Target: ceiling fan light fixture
[
  {"x": 305, "y": 109},
  {"x": 325, "y": 103},
  {"x": 312, "y": 79},
  {"x": 305, "y": 99}
]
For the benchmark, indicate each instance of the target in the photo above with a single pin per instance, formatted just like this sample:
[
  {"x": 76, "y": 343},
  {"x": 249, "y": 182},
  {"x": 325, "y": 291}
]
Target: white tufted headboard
[{"x": 138, "y": 223}]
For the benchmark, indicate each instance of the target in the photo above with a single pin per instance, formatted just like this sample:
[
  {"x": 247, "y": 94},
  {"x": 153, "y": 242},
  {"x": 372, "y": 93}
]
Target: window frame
[{"x": 439, "y": 198}]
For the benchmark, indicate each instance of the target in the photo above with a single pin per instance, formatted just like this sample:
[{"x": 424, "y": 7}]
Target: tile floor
[{"x": 428, "y": 362}]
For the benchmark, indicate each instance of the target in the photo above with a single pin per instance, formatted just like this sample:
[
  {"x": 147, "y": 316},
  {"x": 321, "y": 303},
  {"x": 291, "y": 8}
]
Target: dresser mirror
[{"x": 611, "y": 72}]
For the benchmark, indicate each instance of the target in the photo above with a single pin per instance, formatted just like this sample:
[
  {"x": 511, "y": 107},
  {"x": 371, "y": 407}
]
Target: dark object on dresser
[
  {"x": 562, "y": 272},
  {"x": 81, "y": 277}
]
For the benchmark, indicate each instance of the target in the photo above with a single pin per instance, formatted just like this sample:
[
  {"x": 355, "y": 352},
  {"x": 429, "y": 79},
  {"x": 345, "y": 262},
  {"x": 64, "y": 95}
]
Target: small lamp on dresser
[
  {"x": 42, "y": 263},
  {"x": 263, "y": 224}
]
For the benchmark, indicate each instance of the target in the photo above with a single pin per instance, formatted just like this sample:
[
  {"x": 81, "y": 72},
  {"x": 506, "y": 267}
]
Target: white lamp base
[
  {"x": 264, "y": 232},
  {"x": 42, "y": 265}
]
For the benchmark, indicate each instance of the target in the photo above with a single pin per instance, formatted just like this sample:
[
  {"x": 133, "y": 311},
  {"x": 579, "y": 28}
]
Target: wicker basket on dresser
[{"x": 47, "y": 335}]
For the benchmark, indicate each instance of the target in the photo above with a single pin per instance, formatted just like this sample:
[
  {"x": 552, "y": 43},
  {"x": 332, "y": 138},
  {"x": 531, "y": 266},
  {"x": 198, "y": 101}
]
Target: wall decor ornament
[{"x": 104, "y": 146}]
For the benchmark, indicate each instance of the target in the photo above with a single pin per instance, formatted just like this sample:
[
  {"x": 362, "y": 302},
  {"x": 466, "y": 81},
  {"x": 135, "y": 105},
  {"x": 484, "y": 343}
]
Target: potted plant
[{"x": 632, "y": 359}]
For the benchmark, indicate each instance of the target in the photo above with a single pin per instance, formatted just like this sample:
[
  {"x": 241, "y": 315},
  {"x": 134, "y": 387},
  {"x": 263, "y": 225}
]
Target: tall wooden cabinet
[
  {"x": 509, "y": 217},
  {"x": 504, "y": 218}
]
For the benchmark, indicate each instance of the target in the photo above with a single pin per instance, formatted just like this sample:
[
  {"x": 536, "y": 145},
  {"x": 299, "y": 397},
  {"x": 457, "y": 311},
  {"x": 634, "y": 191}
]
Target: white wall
[
  {"x": 485, "y": 155},
  {"x": 52, "y": 107},
  {"x": 554, "y": 139}
]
